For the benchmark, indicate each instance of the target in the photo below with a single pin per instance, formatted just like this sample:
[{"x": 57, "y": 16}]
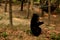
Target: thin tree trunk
[
  {"x": 49, "y": 11},
  {"x": 28, "y": 9},
  {"x": 21, "y": 5},
  {"x": 58, "y": 4},
  {"x": 0, "y": 2},
  {"x": 6, "y": 5},
  {"x": 42, "y": 12},
  {"x": 31, "y": 6},
  {"x": 10, "y": 12}
]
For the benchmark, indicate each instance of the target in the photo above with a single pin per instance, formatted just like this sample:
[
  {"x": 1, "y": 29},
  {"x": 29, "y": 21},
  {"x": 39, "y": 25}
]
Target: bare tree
[{"x": 10, "y": 12}]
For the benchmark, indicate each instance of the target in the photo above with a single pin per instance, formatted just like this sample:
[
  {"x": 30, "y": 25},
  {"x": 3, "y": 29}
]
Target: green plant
[
  {"x": 4, "y": 34},
  {"x": 53, "y": 36},
  {"x": 16, "y": 2},
  {"x": 58, "y": 36}
]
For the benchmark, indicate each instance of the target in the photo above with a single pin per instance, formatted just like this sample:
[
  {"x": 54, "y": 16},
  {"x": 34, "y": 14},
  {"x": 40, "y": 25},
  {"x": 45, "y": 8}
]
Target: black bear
[{"x": 35, "y": 29}]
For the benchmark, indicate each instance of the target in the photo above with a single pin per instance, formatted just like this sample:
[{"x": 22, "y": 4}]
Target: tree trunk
[
  {"x": 10, "y": 12},
  {"x": 49, "y": 11},
  {"x": 0, "y": 2},
  {"x": 58, "y": 4},
  {"x": 28, "y": 8},
  {"x": 31, "y": 6},
  {"x": 42, "y": 12},
  {"x": 6, "y": 5},
  {"x": 22, "y": 5}
]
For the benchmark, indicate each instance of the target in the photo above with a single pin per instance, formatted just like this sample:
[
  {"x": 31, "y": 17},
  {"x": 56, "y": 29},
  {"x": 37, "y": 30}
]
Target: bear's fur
[{"x": 35, "y": 29}]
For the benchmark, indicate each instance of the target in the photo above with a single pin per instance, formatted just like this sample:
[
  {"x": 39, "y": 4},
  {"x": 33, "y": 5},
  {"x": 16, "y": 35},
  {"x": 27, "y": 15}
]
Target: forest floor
[{"x": 21, "y": 25}]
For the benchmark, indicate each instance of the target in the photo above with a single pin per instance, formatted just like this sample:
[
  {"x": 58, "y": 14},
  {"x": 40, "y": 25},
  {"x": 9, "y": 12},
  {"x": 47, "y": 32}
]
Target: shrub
[{"x": 54, "y": 36}]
